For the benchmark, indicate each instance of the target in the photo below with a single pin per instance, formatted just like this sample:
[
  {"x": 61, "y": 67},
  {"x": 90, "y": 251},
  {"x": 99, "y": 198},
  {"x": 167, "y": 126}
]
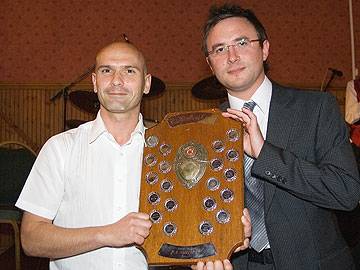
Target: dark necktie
[{"x": 254, "y": 200}]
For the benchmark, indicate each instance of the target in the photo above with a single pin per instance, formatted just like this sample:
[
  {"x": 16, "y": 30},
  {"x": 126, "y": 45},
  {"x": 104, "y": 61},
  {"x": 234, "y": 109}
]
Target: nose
[
  {"x": 117, "y": 79},
  {"x": 233, "y": 54}
]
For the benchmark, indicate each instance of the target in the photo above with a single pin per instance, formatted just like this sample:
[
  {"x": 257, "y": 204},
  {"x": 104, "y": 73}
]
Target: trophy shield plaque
[{"x": 192, "y": 187}]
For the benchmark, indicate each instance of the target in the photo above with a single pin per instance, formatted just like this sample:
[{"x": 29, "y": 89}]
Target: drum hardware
[{"x": 64, "y": 92}]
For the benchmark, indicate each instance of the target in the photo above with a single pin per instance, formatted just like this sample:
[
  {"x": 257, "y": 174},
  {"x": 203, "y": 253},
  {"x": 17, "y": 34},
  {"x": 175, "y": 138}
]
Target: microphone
[
  {"x": 126, "y": 38},
  {"x": 336, "y": 72}
]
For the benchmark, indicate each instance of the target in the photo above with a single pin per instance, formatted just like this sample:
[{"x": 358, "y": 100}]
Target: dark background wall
[{"x": 54, "y": 41}]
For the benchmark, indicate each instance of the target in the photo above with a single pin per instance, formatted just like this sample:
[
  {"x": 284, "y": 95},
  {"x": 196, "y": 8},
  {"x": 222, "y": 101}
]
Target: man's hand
[
  {"x": 245, "y": 219},
  {"x": 217, "y": 265},
  {"x": 131, "y": 229},
  {"x": 41, "y": 238},
  {"x": 253, "y": 139}
]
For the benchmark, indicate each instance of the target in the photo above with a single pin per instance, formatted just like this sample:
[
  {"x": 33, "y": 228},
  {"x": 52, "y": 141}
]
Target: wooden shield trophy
[{"x": 192, "y": 187}]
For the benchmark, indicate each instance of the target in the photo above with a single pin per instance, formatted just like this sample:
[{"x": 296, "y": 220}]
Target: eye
[
  {"x": 219, "y": 49},
  {"x": 242, "y": 42},
  {"x": 130, "y": 71},
  {"x": 105, "y": 70}
]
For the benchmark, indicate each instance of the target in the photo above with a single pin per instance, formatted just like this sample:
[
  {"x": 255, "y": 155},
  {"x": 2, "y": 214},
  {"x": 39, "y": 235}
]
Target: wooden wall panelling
[{"x": 28, "y": 115}]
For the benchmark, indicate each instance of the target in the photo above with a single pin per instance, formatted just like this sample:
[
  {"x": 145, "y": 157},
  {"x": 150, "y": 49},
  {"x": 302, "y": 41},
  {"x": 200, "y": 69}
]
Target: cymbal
[
  {"x": 209, "y": 88},
  {"x": 85, "y": 100},
  {"x": 73, "y": 123},
  {"x": 156, "y": 88}
]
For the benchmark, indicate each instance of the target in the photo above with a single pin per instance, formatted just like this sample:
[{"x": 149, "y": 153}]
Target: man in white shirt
[{"x": 81, "y": 197}]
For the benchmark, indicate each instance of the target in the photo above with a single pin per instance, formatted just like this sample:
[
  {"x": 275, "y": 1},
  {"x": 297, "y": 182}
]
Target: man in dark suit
[{"x": 303, "y": 166}]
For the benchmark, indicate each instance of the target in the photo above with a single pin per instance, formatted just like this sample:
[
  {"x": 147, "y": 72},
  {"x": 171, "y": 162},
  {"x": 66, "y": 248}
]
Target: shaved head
[
  {"x": 121, "y": 46},
  {"x": 120, "y": 79}
]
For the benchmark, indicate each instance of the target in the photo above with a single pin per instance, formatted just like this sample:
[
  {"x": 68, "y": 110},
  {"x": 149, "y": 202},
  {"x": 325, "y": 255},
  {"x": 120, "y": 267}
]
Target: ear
[
  {"x": 93, "y": 78},
  {"x": 265, "y": 49},
  {"x": 147, "y": 84},
  {"x": 209, "y": 63}
]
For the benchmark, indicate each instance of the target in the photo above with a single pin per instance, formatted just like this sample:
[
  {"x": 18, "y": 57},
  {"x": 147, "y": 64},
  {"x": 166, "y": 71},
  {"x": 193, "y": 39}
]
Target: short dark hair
[{"x": 217, "y": 14}]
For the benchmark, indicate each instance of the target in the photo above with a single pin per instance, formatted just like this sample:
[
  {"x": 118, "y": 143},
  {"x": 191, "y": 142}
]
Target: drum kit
[
  {"x": 85, "y": 100},
  {"x": 206, "y": 89},
  {"x": 88, "y": 101}
]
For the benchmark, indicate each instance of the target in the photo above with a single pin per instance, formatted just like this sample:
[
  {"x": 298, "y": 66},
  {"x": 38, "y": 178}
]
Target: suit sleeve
[{"x": 328, "y": 177}]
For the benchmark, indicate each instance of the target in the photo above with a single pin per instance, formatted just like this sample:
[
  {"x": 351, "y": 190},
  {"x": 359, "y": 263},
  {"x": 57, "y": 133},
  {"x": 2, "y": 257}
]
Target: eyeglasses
[{"x": 241, "y": 44}]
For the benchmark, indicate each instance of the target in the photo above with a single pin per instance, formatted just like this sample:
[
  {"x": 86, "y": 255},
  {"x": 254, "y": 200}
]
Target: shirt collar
[
  {"x": 262, "y": 97},
  {"x": 98, "y": 128},
  {"x": 140, "y": 128}
]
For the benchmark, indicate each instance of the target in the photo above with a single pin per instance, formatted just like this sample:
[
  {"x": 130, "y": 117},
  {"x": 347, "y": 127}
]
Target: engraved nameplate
[{"x": 187, "y": 252}]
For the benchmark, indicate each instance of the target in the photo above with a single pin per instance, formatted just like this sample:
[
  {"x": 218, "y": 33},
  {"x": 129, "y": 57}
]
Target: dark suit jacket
[{"x": 308, "y": 168}]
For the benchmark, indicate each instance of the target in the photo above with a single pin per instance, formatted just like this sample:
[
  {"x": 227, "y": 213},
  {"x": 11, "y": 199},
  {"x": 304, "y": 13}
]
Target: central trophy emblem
[{"x": 190, "y": 163}]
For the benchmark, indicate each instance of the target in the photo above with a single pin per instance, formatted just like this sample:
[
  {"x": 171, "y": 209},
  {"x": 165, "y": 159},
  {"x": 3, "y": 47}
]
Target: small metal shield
[{"x": 190, "y": 163}]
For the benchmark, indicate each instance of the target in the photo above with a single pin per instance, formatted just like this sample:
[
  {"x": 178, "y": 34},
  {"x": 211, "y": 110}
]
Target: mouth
[
  {"x": 118, "y": 93},
  {"x": 236, "y": 70}
]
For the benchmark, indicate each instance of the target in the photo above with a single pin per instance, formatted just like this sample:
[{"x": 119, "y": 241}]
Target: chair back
[{"x": 16, "y": 161}]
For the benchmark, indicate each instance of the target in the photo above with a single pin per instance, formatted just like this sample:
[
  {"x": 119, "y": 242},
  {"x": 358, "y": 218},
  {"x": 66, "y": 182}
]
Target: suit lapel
[{"x": 278, "y": 130}]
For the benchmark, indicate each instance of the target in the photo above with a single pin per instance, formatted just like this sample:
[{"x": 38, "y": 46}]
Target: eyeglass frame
[{"x": 236, "y": 45}]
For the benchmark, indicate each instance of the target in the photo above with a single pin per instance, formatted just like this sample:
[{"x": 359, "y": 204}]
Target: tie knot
[{"x": 249, "y": 105}]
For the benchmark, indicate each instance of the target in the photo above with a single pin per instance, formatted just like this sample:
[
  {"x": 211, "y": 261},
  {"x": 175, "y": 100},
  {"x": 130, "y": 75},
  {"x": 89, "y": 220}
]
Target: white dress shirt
[
  {"x": 262, "y": 98},
  {"x": 352, "y": 106},
  {"x": 82, "y": 178}
]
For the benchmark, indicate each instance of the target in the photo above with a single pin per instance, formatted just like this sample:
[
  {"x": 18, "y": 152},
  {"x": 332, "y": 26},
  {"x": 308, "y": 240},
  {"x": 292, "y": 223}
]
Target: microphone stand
[
  {"x": 329, "y": 81},
  {"x": 64, "y": 92}
]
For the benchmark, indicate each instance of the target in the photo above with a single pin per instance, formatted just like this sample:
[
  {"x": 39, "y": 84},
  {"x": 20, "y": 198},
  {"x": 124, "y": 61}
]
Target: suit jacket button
[
  {"x": 268, "y": 173},
  {"x": 282, "y": 179}
]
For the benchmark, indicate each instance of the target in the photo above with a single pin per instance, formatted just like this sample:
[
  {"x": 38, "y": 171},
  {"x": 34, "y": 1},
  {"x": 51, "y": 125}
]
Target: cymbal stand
[
  {"x": 329, "y": 81},
  {"x": 64, "y": 92}
]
